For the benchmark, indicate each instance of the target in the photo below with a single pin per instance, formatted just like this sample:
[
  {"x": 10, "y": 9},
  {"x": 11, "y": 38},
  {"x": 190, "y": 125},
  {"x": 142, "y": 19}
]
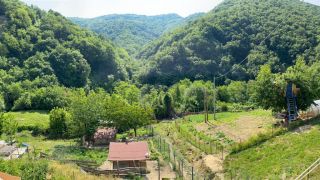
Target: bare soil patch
[
  {"x": 239, "y": 130},
  {"x": 165, "y": 171}
]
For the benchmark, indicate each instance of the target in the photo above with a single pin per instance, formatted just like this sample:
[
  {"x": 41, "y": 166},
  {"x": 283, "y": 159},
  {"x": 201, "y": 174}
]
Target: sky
[{"x": 94, "y": 8}]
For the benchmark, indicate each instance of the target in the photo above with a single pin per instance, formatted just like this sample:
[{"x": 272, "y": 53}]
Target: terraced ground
[
  {"x": 284, "y": 156},
  {"x": 205, "y": 144}
]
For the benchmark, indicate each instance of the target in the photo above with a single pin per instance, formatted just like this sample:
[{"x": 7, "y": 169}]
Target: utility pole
[
  {"x": 214, "y": 97},
  {"x": 205, "y": 106}
]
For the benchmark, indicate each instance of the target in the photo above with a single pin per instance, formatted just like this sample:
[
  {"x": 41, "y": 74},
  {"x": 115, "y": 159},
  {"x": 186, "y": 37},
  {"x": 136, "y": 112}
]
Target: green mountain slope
[
  {"x": 45, "y": 45},
  {"x": 133, "y": 31},
  {"x": 219, "y": 41}
]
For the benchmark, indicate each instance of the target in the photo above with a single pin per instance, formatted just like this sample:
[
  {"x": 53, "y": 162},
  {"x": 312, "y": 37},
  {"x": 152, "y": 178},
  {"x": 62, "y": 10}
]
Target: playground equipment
[{"x": 291, "y": 98}]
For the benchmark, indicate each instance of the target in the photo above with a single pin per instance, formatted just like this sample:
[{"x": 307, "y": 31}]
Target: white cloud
[{"x": 93, "y": 8}]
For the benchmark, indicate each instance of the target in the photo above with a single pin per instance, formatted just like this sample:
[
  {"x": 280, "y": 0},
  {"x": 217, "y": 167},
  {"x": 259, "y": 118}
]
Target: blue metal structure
[{"x": 291, "y": 102}]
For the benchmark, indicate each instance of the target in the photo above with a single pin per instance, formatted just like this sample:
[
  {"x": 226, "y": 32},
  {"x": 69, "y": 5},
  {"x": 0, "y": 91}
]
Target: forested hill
[
  {"x": 45, "y": 48},
  {"x": 219, "y": 41},
  {"x": 133, "y": 31}
]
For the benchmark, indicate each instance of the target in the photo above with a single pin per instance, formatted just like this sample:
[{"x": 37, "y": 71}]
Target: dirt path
[{"x": 165, "y": 171}]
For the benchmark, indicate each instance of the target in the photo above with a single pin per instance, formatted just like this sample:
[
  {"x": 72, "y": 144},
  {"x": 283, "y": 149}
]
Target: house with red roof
[{"x": 128, "y": 154}]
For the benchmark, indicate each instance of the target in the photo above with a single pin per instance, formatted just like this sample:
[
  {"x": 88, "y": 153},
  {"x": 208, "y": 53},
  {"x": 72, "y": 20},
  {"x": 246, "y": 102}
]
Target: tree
[
  {"x": 168, "y": 105},
  {"x": 70, "y": 67},
  {"x": 128, "y": 91},
  {"x": 37, "y": 66},
  {"x": 10, "y": 127},
  {"x": 124, "y": 116},
  {"x": 87, "y": 113},
  {"x": 59, "y": 120},
  {"x": 139, "y": 117},
  {"x": 269, "y": 89}
]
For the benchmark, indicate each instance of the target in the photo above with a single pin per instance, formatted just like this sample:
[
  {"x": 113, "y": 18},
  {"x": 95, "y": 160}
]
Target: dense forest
[
  {"x": 44, "y": 56},
  {"x": 131, "y": 31},
  {"x": 269, "y": 32},
  {"x": 37, "y": 44}
]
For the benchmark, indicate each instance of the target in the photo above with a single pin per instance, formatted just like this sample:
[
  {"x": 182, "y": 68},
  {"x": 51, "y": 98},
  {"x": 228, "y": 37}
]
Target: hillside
[
  {"x": 219, "y": 41},
  {"x": 44, "y": 46},
  {"x": 133, "y": 31},
  {"x": 282, "y": 157}
]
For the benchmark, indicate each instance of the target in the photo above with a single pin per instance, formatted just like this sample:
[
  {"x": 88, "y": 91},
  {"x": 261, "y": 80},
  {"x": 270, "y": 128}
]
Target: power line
[{"x": 231, "y": 70}]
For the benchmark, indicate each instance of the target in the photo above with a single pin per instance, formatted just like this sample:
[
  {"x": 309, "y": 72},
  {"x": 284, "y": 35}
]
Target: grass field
[
  {"x": 284, "y": 156},
  {"x": 31, "y": 119}
]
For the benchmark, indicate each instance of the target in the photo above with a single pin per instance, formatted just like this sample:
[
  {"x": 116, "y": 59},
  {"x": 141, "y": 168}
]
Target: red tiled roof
[
  {"x": 5, "y": 176},
  {"x": 128, "y": 151}
]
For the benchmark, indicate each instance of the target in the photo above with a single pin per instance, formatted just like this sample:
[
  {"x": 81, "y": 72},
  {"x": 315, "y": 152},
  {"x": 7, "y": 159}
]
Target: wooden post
[
  {"x": 222, "y": 152},
  {"x": 214, "y": 98},
  {"x": 118, "y": 168},
  {"x": 192, "y": 173},
  {"x": 158, "y": 170},
  {"x": 182, "y": 167}
]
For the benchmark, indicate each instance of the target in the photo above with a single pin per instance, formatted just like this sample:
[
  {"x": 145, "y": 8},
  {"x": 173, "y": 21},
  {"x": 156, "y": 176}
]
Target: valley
[{"x": 229, "y": 93}]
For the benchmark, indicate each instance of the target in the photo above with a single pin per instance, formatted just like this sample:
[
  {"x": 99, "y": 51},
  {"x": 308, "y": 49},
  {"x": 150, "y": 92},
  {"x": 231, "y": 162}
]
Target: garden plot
[{"x": 239, "y": 130}]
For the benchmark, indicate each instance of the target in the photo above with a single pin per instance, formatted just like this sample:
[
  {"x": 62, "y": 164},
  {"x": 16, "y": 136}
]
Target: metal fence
[
  {"x": 170, "y": 154},
  {"x": 209, "y": 147}
]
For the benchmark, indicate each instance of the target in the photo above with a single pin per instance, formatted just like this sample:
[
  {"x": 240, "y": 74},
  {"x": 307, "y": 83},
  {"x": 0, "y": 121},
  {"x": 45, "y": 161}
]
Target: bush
[
  {"x": 34, "y": 170},
  {"x": 59, "y": 118},
  {"x": 35, "y": 129},
  {"x": 25, "y": 168}
]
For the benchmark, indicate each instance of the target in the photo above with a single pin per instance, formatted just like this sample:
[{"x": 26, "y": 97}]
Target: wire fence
[
  {"x": 208, "y": 147},
  {"x": 179, "y": 164}
]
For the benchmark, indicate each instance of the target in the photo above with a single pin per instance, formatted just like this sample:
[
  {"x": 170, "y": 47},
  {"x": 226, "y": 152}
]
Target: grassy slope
[
  {"x": 283, "y": 156},
  {"x": 31, "y": 118}
]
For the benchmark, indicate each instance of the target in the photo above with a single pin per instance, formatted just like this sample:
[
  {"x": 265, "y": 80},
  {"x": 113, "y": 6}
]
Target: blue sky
[{"x": 93, "y": 8}]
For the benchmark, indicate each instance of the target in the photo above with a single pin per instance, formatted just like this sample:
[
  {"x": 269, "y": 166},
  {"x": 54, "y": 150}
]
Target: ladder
[
  {"x": 292, "y": 108},
  {"x": 291, "y": 103}
]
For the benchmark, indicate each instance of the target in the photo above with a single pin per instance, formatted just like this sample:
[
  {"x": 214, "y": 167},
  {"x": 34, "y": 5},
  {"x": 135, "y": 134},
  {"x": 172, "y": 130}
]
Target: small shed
[
  {"x": 103, "y": 136},
  {"x": 128, "y": 154},
  {"x": 5, "y": 176}
]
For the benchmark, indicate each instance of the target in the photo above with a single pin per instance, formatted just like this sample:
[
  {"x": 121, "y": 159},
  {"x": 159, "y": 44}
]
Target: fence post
[
  {"x": 182, "y": 167},
  {"x": 160, "y": 143},
  {"x": 192, "y": 173},
  {"x": 169, "y": 152},
  {"x": 222, "y": 152},
  {"x": 158, "y": 170},
  {"x": 217, "y": 148},
  {"x": 174, "y": 157}
]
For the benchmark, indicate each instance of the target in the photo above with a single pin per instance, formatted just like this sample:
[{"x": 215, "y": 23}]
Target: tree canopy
[{"x": 268, "y": 32}]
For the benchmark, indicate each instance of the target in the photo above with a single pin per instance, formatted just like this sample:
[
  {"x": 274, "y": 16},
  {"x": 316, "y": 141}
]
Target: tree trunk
[{"x": 135, "y": 132}]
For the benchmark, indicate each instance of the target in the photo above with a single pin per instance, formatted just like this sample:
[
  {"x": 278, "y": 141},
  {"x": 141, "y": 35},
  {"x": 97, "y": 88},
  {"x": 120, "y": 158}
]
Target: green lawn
[
  {"x": 229, "y": 117},
  {"x": 31, "y": 118},
  {"x": 284, "y": 156}
]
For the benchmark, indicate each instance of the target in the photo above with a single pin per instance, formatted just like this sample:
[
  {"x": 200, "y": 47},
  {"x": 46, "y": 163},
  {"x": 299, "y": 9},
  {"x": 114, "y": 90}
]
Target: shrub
[
  {"x": 36, "y": 129},
  {"x": 34, "y": 170},
  {"x": 59, "y": 119}
]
